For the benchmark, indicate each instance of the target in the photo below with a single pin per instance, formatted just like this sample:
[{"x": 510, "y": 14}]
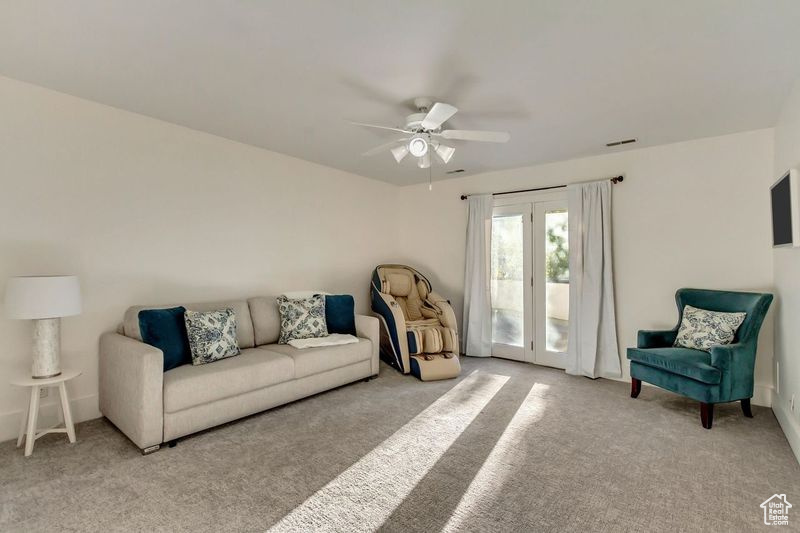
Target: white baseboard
[
  {"x": 789, "y": 425},
  {"x": 83, "y": 409},
  {"x": 762, "y": 395}
]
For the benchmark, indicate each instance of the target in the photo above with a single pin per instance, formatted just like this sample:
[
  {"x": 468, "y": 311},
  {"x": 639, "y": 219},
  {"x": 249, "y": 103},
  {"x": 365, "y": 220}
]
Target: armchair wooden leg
[
  {"x": 636, "y": 387},
  {"x": 707, "y": 414},
  {"x": 746, "y": 408}
]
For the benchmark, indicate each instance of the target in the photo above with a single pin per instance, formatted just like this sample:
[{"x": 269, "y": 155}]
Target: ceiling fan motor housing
[
  {"x": 423, "y": 103},
  {"x": 414, "y": 121}
]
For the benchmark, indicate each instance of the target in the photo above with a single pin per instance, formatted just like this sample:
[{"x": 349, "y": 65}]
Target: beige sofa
[{"x": 152, "y": 406}]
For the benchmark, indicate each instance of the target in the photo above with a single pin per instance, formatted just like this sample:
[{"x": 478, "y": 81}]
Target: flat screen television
[{"x": 785, "y": 216}]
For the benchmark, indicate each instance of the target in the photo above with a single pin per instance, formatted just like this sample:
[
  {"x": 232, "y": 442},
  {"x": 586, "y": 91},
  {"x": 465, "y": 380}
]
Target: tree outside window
[{"x": 557, "y": 265}]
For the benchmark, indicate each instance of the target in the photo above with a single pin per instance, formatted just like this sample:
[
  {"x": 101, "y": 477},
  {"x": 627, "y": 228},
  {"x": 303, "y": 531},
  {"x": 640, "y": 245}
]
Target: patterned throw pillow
[
  {"x": 212, "y": 335},
  {"x": 701, "y": 329},
  {"x": 302, "y": 318}
]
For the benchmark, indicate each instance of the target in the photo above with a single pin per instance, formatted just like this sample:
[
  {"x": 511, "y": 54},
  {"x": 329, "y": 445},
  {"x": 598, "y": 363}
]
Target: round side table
[{"x": 27, "y": 428}]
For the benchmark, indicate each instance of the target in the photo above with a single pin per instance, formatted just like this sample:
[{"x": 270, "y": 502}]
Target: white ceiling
[{"x": 563, "y": 77}]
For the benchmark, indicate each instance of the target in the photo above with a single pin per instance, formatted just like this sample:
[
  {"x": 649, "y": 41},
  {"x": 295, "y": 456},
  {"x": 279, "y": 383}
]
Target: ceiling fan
[{"x": 423, "y": 134}]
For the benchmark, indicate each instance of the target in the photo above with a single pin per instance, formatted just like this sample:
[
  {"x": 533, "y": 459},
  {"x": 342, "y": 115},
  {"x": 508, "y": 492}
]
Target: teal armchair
[{"x": 723, "y": 374}]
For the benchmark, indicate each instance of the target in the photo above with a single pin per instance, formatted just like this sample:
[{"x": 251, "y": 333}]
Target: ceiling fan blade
[
  {"x": 445, "y": 153},
  {"x": 438, "y": 115},
  {"x": 378, "y": 127},
  {"x": 475, "y": 135},
  {"x": 399, "y": 152},
  {"x": 425, "y": 160},
  {"x": 381, "y": 148}
]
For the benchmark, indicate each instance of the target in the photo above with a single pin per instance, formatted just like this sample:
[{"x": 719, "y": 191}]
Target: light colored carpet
[{"x": 507, "y": 447}]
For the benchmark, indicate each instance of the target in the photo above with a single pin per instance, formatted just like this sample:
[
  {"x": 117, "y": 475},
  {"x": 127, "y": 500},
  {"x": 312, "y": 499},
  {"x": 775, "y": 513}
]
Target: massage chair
[{"x": 419, "y": 334}]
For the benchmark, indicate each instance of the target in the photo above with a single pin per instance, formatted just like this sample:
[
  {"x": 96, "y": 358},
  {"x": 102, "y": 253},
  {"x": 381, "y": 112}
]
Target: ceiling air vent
[
  {"x": 618, "y": 143},
  {"x": 455, "y": 171}
]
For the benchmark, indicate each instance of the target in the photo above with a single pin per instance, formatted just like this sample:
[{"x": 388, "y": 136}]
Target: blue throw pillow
[
  {"x": 166, "y": 330},
  {"x": 340, "y": 313}
]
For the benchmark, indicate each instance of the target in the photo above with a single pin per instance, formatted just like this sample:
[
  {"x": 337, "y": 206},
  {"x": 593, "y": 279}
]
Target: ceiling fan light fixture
[
  {"x": 399, "y": 152},
  {"x": 445, "y": 153},
  {"x": 424, "y": 161},
  {"x": 418, "y": 146}
]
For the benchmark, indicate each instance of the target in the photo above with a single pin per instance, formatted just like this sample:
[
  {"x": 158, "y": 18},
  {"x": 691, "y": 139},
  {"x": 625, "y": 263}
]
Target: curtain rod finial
[
  {"x": 617, "y": 179},
  {"x": 464, "y": 196}
]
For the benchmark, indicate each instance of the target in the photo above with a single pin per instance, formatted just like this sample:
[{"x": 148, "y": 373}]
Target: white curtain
[
  {"x": 593, "y": 348},
  {"x": 477, "y": 290}
]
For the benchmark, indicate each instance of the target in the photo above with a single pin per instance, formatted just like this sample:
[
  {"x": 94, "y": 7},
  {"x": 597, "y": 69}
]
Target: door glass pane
[
  {"x": 507, "y": 286},
  {"x": 557, "y": 273}
]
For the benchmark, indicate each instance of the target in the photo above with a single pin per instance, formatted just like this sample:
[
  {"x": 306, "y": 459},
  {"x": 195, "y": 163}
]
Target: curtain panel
[
  {"x": 593, "y": 350},
  {"x": 477, "y": 317}
]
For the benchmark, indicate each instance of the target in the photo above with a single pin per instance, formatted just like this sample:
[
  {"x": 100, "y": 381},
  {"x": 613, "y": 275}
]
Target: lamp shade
[{"x": 37, "y": 297}]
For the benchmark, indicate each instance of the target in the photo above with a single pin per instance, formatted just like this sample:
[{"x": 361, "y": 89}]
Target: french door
[{"x": 530, "y": 280}]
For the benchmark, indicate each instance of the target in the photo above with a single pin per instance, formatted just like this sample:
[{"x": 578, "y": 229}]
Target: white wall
[
  {"x": 691, "y": 214},
  {"x": 787, "y": 284},
  {"x": 148, "y": 212}
]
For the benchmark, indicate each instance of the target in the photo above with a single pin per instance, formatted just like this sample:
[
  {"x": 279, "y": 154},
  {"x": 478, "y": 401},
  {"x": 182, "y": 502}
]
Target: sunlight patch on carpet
[
  {"x": 363, "y": 496},
  {"x": 500, "y": 464}
]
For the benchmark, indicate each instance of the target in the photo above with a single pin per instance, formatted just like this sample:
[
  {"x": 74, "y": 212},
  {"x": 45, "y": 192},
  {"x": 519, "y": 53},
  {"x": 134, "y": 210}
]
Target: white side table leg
[
  {"x": 62, "y": 388},
  {"x": 22, "y": 419},
  {"x": 33, "y": 415},
  {"x": 60, "y": 412}
]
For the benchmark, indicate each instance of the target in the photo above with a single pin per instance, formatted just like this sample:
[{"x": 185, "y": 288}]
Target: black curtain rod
[{"x": 615, "y": 179}]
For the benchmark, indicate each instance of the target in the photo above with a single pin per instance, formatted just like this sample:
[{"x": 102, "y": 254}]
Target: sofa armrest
[
  {"x": 368, "y": 327},
  {"x": 656, "y": 338},
  {"x": 725, "y": 356},
  {"x": 736, "y": 362},
  {"x": 131, "y": 388}
]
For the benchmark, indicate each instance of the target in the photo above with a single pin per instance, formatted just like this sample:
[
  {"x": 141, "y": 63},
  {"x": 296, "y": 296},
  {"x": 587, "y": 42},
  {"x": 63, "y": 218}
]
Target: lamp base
[{"x": 46, "y": 348}]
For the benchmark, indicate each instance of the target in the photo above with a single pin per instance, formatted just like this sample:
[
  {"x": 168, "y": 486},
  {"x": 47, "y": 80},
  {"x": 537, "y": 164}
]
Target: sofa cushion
[
  {"x": 309, "y": 361},
  {"x": 255, "y": 368},
  {"x": 244, "y": 324},
  {"x": 266, "y": 319},
  {"x": 694, "y": 364},
  {"x": 166, "y": 330}
]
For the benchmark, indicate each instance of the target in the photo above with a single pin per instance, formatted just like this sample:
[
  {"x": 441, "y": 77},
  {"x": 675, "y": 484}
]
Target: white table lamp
[{"x": 44, "y": 299}]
